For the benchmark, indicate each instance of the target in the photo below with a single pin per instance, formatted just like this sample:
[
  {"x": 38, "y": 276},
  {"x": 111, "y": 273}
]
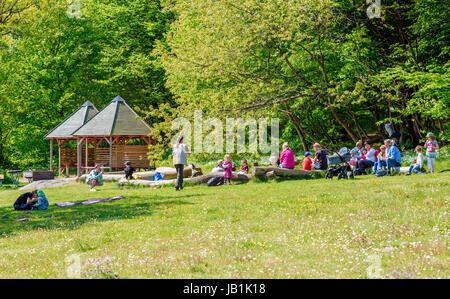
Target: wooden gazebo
[
  {"x": 63, "y": 134},
  {"x": 106, "y": 137}
]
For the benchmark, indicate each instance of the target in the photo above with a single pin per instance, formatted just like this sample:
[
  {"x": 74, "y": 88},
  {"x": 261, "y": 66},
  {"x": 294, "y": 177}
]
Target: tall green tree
[
  {"x": 329, "y": 69},
  {"x": 62, "y": 58}
]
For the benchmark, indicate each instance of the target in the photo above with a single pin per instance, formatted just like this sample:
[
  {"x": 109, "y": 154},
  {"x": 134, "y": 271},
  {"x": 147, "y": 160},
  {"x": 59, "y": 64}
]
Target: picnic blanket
[{"x": 87, "y": 202}]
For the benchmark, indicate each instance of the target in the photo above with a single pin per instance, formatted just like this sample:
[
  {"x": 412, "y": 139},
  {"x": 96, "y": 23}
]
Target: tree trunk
[
  {"x": 343, "y": 124},
  {"x": 299, "y": 129}
]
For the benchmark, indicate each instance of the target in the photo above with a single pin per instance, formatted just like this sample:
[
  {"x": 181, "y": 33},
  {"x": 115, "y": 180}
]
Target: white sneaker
[{"x": 93, "y": 190}]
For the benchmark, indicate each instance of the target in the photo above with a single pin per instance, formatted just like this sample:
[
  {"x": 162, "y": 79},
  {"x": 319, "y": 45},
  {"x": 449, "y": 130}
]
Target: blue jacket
[
  {"x": 394, "y": 153},
  {"x": 42, "y": 203},
  {"x": 94, "y": 175}
]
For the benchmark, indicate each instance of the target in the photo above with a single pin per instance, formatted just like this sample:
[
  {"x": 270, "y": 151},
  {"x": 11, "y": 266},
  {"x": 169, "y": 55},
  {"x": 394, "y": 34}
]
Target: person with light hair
[
  {"x": 287, "y": 157},
  {"x": 320, "y": 159},
  {"x": 179, "y": 154},
  {"x": 393, "y": 156},
  {"x": 95, "y": 177}
]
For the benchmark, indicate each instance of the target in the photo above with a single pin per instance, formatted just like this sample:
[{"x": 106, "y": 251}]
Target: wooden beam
[
  {"x": 79, "y": 143},
  {"x": 59, "y": 159},
  {"x": 87, "y": 154},
  {"x": 51, "y": 154},
  {"x": 110, "y": 152}
]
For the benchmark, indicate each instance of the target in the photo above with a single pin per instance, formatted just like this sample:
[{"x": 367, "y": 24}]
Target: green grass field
[{"x": 391, "y": 227}]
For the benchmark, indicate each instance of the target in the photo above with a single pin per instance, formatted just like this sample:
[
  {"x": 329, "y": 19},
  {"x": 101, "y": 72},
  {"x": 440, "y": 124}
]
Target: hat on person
[
  {"x": 430, "y": 135},
  {"x": 128, "y": 163},
  {"x": 307, "y": 154},
  {"x": 40, "y": 193}
]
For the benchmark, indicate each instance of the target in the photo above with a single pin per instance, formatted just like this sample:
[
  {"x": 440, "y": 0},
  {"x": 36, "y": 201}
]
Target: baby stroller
[{"x": 339, "y": 165}]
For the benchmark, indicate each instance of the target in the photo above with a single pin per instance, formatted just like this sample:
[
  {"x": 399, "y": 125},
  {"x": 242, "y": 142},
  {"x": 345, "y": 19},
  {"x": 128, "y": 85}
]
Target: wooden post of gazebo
[{"x": 51, "y": 154}]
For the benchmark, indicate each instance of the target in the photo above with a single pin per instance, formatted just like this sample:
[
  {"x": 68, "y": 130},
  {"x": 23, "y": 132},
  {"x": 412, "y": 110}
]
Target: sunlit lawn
[{"x": 369, "y": 227}]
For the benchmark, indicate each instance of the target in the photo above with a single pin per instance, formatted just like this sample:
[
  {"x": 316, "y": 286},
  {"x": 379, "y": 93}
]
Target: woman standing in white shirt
[{"x": 179, "y": 153}]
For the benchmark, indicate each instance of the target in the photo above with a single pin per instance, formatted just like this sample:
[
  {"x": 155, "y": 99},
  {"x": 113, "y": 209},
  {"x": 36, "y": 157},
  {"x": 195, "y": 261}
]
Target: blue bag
[{"x": 158, "y": 176}]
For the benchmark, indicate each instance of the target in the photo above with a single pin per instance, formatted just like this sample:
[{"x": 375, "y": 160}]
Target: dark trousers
[
  {"x": 389, "y": 163},
  {"x": 23, "y": 207},
  {"x": 362, "y": 165},
  {"x": 179, "y": 183},
  {"x": 397, "y": 136}
]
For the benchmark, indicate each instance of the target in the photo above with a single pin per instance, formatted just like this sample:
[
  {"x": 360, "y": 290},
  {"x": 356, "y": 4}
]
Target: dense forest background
[{"x": 328, "y": 71}]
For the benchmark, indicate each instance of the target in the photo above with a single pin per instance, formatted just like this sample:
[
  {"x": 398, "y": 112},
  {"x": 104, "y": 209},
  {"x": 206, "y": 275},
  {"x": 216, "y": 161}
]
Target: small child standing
[
  {"x": 228, "y": 166},
  {"x": 129, "y": 171},
  {"x": 418, "y": 163},
  {"x": 307, "y": 162},
  {"x": 432, "y": 146}
]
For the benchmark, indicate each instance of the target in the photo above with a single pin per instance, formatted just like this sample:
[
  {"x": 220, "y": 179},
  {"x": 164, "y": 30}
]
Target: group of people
[
  {"x": 35, "y": 200},
  {"x": 363, "y": 157},
  {"x": 287, "y": 160},
  {"x": 388, "y": 156}
]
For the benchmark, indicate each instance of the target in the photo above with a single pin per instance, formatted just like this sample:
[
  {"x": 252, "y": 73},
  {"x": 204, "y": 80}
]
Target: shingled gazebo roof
[
  {"x": 66, "y": 128},
  {"x": 116, "y": 119}
]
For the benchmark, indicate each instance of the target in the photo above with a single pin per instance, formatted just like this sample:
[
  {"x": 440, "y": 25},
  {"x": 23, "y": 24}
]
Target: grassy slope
[{"x": 290, "y": 229}]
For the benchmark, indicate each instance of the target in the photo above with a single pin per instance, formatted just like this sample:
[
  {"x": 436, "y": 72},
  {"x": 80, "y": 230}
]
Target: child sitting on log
[
  {"x": 307, "y": 162},
  {"x": 129, "y": 171},
  {"x": 244, "y": 167}
]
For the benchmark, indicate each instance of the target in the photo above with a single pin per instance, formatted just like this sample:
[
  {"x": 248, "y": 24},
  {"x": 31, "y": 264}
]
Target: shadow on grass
[{"x": 73, "y": 217}]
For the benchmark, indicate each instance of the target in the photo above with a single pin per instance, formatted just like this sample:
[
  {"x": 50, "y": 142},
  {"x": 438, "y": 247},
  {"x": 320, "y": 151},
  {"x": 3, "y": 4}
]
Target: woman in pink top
[{"x": 287, "y": 157}]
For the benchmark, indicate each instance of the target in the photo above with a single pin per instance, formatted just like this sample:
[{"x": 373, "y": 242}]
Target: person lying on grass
[
  {"x": 42, "y": 201},
  {"x": 26, "y": 201},
  {"x": 95, "y": 177}
]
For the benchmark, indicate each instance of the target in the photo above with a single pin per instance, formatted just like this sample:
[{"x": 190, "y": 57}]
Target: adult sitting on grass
[
  {"x": 26, "y": 201},
  {"x": 393, "y": 157},
  {"x": 287, "y": 157},
  {"x": 42, "y": 202},
  {"x": 320, "y": 159},
  {"x": 95, "y": 177},
  {"x": 369, "y": 162}
]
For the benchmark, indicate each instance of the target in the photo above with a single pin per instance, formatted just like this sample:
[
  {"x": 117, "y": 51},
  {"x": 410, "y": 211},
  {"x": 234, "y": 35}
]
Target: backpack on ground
[
  {"x": 381, "y": 172},
  {"x": 215, "y": 181}
]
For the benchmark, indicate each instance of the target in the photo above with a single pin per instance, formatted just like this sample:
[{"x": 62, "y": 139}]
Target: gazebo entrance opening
[{"x": 111, "y": 152}]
